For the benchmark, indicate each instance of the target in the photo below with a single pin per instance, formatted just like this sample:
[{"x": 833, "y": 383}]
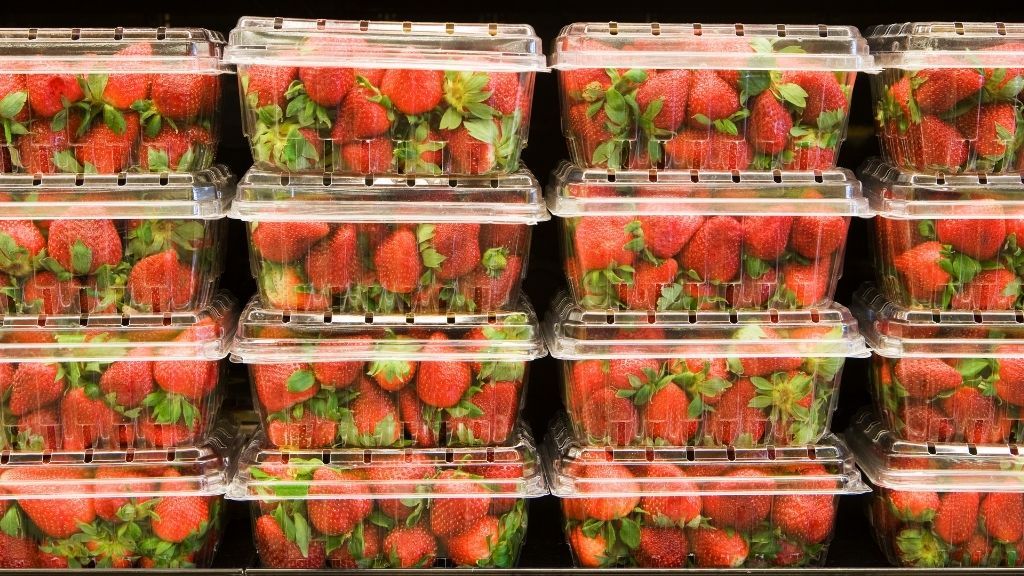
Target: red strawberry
[
  {"x": 107, "y": 151},
  {"x": 710, "y": 97},
  {"x": 604, "y": 508},
  {"x": 83, "y": 246},
  {"x": 442, "y": 383},
  {"x": 505, "y": 92},
  {"x": 766, "y": 237},
  {"x": 916, "y": 506},
  {"x": 647, "y": 284},
  {"x": 491, "y": 289},
  {"x": 467, "y": 154},
  {"x": 286, "y": 241},
  {"x": 161, "y": 283},
  {"x": 164, "y": 435},
  {"x": 18, "y": 552},
  {"x": 715, "y": 548},
  {"x": 327, "y": 86},
  {"x": 123, "y": 90},
  {"x": 23, "y": 243},
  {"x": 989, "y": 290},
  {"x": 309, "y": 431},
  {"x": 410, "y": 547},
  {"x": 670, "y": 89},
  {"x": 818, "y": 237},
  {"x": 374, "y": 416},
  {"x": 39, "y": 429},
  {"x": 499, "y": 403},
  {"x": 346, "y": 556},
  {"x": 924, "y": 279},
  {"x": 993, "y": 129},
  {"x": 337, "y": 374},
  {"x": 367, "y": 157},
  {"x": 33, "y": 386},
  {"x": 284, "y": 288},
  {"x": 401, "y": 476},
  {"x": 810, "y": 158},
  {"x": 734, "y": 422},
  {"x": 334, "y": 264},
  {"x": 957, "y": 516},
  {"x": 590, "y": 552},
  {"x": 129, "y": 381},
  {"x": 666, "y": 417},
  {"x": 974, "y": 553},
  {"x": 54, "y": 517},
  {"x": 418, "y": 428},
  {"x": 179, "y": 517},
  {"x": 665, "y": 236},
  {"x": 587, "y": 132},
  {"x": 804, "y": 517},
  {"x": 277, "y": 551},
  {"x": 938, "y": 90},
  {"x": 175, "y": 150},
  {"x": 770, "y": 123},
  {"x": 42, "y": 293},
  {"x": 938, "y": 145},
  {"x": 974, "y": 415},
  {"x": 740, "y": 512},
  {"x": 714, "y": 251},
  {"x": 979, "y": 239},
  {"x": 586, "y": 377},
  {"x": 180, "y": 96},
  {"x": 1003, "y": 516},
  {"x": 47, "y": 93},
  {"x": 670, "y": 510},
  {"x": 824, "y": 93},
  {"x": 360, "y": 118},
  {"x": 473, "y": 546},
  {"x": 392, "y": 375},
  {"x": 413, "y": 91},
  {"x": 338, "y": 516},
  {"x": 697, "y": 149},
  {"x": 605, "y": 417},
  {"x": 84, "y": 420},
  {"x": 601, "y": 242},
  {"x": 755, "y": 292},
  {"x": 268, "y": 84},
  {"x": 923, "y": 423},
  {"x": 662, "y": 548},
  {"x": 1009, "y": 386},
  {"x": 458, "y": 244},
  {"x": 398, "y": 263},
  {"x": 926, "y": 377},
  {"x": 193, "y": 379},
  {"x": 809, "y": 284},
  {"x": 40, "y": 147},
  {"x": 281, "y": 386}
]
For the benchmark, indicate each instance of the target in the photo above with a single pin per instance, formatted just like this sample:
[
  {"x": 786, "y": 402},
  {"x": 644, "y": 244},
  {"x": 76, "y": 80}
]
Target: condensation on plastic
[
  {"x": 908, "y": 195},
  {"x": 407, "y": 45},
  {"x": 709, "y": 46},
  {"x": 270, "y": 196},
  {"x": 914, "y": 45}
]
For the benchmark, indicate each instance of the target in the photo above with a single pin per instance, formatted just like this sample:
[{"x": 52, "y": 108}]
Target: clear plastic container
[
  {"x": 688, "y": 240},
  {"x": 114, "y": 381},
  {"x": 390, "y": 508},
  {"x": 948, "y": 97},
  {"x": 109, "y": 100},
  {"x": 388, "y": 380},
  {"x": 945, "y": 376},
  {"x": 947, "y": 242},
  {"x": 698, "y": 507},
  {"x": 107, "y": 244},
  {"x": 368, "y": 97},
  {"x": 941, "y": 505},
  {"x": 701, "y": 378},
  {"x": 388, "y": 245},
  {"x": 707, "y": 96},
  {"x": 114, "y": 509}
]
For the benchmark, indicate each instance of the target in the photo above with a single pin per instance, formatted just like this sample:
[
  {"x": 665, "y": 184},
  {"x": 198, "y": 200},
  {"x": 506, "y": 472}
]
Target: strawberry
[
  {"x": 1002, "y": 514},
  {"x": 662, "y": 548},
  {"x": 284, "y": 288},
  {"x": 993, "y": 129},
  {"x": 180, "y": 96},
  {"x": 281, "y": 386},
  {"x": 277, "y": 551},
  {"x": 39, "y": 429},
  {"x": 605, "y": 508},
  {"x": 193, "y": 379},
  {"x": 33, "y": 386},
  {"x": 179, "y": 517},
  {"x": 606, "y": 417},
  {"x": 974, "y": 553},
  {"x": 956, "y": 517},
  {"x": 665, "y": 236},
  {"x": 335, "y": 517},
  {"x": 127, "y": 382},
  {"x": 938, "y": 90},
  {"x": 48, "y": 93},
  {"x": 600, "y": 242},
  {"x": 418, "y": 427},
  {"x": 333, "y": 264},
  {"x": 474, "y": 546},
  {"x": 284, "y": 242},
  {"x": 499, "y": 404},
  {"x": 413, "y": 91},
  {"x": 56, "y": 518},
  {"x": 392, "y": 375},
  {"x": 670, "y": 510},
  {"x": 734, "y": 422},
  {"x": 647, "y": 284},
  {"x": 818, "y": 237},
  {"x": 1009, "y": 385},
  {"x": 589, "y": 551},
  {"x": 18, "y": 552},
  {"x": 361, "y": 116},
  {"x": 14, "y": 85},
  {"x": 20, "y": 244},
  {"x": 923, "y": 423},
  {"x": 373, "y": 156},
  {"x": 697, "y": 149},
  {"x": 442, "y": 383},
  {"x": 309, "y": 431},
  {"x": 266, "y": 85},
  {"x": 84, "y": 420},
  {"x": 740, "y": 512},
  {"x": 327, "y": 86},
  {"x": 123, "y": 90},
  {"x": 765, "y": 237},
  {"x": 809, "y": 158},
  {"x": 804, "y": 517},
  {"x": 926, "y": 377},
  {"x": 710, "y": 98},
  {"x": 457, "y": 244},
  {"x": 400, "y": 476},
  {"x": 175, "y": 150},
  {"x": 809, "y": 284},
  {"x": 467, "y": 154},
  {"x": 914, "y": 506},
  {"x": 979, "y": 239},
  {"x": 505, "y": 92},
  {"x": 163, "y": 435},
  {"x": 43, "y": 293},
  {"x": 666, "y": 417},
  {"x": 824, "y": 93},
  {"x": 350, "y": 556},
  {"x": 667, "y": 90},
  {"x": 410, "y": 547},
  {"x": 585, "y": 378},
  {"x": 713, "y": 252},
  {"x": 83, "y": 246},
  {"x": 769, "y": 125},
  {"x": 337, "y": 374},
  {"x": 491, "y": 289},
  {"x": 754, "y": 292},
  {"x": 990, "y": 290},
  {"x": 161, "y": 283},
  {"x": 374, "y": 416},
  {"x": 716, "y": 548},
  {"x": 105, "y": 149},
  {"x": 923, "y": 276},
  {"x": 40, "y": 148},
  {"x": 586, "y": 133},
  {"x": 938, "y": 145},
  {"x": 398, "y": 262},
  {"x": 974, "y": 415}
]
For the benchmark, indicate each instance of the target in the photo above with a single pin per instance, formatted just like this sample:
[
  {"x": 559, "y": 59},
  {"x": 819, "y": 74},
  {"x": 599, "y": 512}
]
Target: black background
[{"x": 545, "y": 547}]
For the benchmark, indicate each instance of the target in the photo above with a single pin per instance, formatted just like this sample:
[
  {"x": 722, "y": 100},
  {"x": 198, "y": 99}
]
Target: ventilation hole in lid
[
  {"x": 278, "y": 23},
  {"x": 492, "y": 29},
  {"x": 812, "y": 454},
  {"x": 364, "y": 25},
  {"x": 489, "y": 454},
  {"x": 87, "y": 457},
  {"x": 815, "y": 317},
  {"x": 958, "y": 27},
  {"x": 651, "y": 318},
  {"x": 609, "y": 317},
  {"x": 167, "y": 319},
  {"x": 936, "y": 316},
  {"x": 47, "y": 457},
  {"x": 698, "y": 30},
  {"x": 940, "y": 178},
  {"x": 655, "y": 29},
  {"x": 780, "y": 29},
  {"x": 406, "y": 26},
  {"x": 730, "y": 453},
  {"x": 930, "y": 448},
  {"x": 410, "y": 318},
  {"x": 691, "y": 316},
  {"x": 610, "y": 176},
  {"x": 449, "y": 28},
  {"x": 739, "y": 29},
  {"x": 119, "y": 33},
  {"x": 326, "y": 181},
  {"x": 450, "y": 318},
  {"x": 368, "y": 318},
  {"x": 695, "y": 176},
  {"x": 76, "y": 33},
  {"x": 321, "y": 24},
  {"x": 613, "y": 28},
  {"x": 736, "y": 176},
  {"x": 733, "y": 317},
  {"x": 161, "y": 33},
  {"x": 771, "y": 452},
  {"x": 122, "y": 179},
  {"x": 285, "y": 457},
  {"x": 492, "y": 318},
  {"x": 33, "y": 33},
  {"x": 777, "y": 176},
  {"x": 495, "y": 183},
  {"x": 818, "y": 177},
  {"x": 285, "y": 179},
  {"x": 79, "y": 179},
  {"x": 286, "y": 317},
  {"x": 410, "y": 182},
  {"x": 83, "y": 320},
  {"x": 327, "y": 317},
  {"x": 1013, "y": 448},
  {"x": 129, "y": 455},
  {"x": 773, "y": 316},
  {"x": 1018, "y": 316},
  {"x": 823, "y": 30},
  {"x": 171, "y": 455},
  {"x": 125, "y": 320},
  {"x": 37, "y": 179},
  {"x": 972, "y": 449},
  {"x": 977, "y": 317},
  {"x": 367, "y": 180},
  {"x": 652, "y": 175}
]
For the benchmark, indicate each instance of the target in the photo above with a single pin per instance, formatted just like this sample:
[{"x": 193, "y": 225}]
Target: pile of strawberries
[
  {"x": 75, "y": 530},
  {"x": 707, "y": 528},
  {"x": 385, "y": 268},
  {"x": 372, "y": 524},
  {"x": 108, "y": 122}
]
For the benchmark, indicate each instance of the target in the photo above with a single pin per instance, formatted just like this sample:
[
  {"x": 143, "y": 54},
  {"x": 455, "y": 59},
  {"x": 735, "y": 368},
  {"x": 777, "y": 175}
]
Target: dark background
[{"x": 545, "y": 547}]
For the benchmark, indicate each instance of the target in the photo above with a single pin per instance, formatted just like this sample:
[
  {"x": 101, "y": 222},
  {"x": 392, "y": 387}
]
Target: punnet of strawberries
[
  {"x": 948, "y": 97},
  {"x": 714, "y": 240},
  {"x": 109, "y": 100},
  {"x": 390, "y": 245},
  {"x": 702, "y": 380},
  {"x": 139, "y": 509},
  {"x": 947, "y": 242},
  {"x": 65, "y": 386},
  {"x": 717, "y": 97},
  {"x": 386, "y": 382},
  {"x": 942, "y": 505},
  {"x": 385, "y": 97},
  {"x": 944, "y": 377},
  {"x": 417, "y": 508},
  {"x": 702, "y": 508}
]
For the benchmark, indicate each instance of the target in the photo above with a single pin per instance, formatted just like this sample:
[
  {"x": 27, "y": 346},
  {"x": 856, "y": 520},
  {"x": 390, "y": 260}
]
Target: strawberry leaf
[
  {"x": 12, "y": 104},
  {"x": 300, "y": 381},
  {"x": 629, "y": 532}
]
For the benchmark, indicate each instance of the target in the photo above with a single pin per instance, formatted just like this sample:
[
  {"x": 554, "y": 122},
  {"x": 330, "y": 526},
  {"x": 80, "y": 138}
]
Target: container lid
[
  {"x": 894, "y": 193},
  {"x": 823, "y": 468},
  {"x": 202, "y": 470},
  {"x": 573, "y": 333},
  {"x": 269, "y": 336},
  {"x": 379, "y": 44},
  {"x": 270, "y": 473},
  {"x": 914, "y": 45},
  {"x": 271, "y": 196},
  {"x": 714, "y": 46},
  {"x": 575, "y": 191},
  {"x": 902, "y": 465},
  {"x": 199, "y": 195},
  {"x": 895, "y": 332},
  {"x": 204, "y": 334},
  {"x": 104, "y": 50}
]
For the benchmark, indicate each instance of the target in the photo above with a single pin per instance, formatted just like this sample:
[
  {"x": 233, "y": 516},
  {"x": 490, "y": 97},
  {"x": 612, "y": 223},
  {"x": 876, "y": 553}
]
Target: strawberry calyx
[
  {"x": 14, "y": 258},
  {"x": 410, "y": 152},
  {"x": 998, "y": 89},
  {"x": 280, "y": 141},
  {"x": 303, "y": 109},
  {"x": 600, "y": 286},
  {"x": 11, "y": 523},
  {"x": 293, "y": 523},
  {"x": 150, "y": 237},
  {"x": 93, "y": 105},
  {"x": 466, "y": 94},
  {"x": 11, "y": 106},
  {"x": 355, "y": 543},
  {"x": 642, "y": 389},
  {"x": 621, "y": 535},
  {"x": 919, "y": 547},
  {"x": 171, "y": 408}
]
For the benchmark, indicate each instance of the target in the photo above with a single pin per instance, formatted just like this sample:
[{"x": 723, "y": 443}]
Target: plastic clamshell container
[
  {"x": 678, "y": 240},
  {"x": 390, "y": 508},
  {"x": 941, "y": 504},
  {"x": 700, "y": 96},
  {"x": 698, "y": 507},
  {"x": 947, "y": 241},
  {"x": 368, "y": 97},
  {"x": 701, "y": 378},
  {"x": 948, "y": 95},
  {"x": 944, "y": 376},
  {"x": 389, "y": 244},
  {"x": 109, "y": 100},
  {"x": 156, "y": 508},
  {"x": 107, "y": 244},
  {"x": 388, "y": 380},
  {"x": 113, "y": 382}
]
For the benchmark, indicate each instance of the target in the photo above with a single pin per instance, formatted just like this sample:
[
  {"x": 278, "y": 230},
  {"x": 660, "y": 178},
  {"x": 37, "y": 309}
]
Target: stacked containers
[{"x": 389, "y": 229}]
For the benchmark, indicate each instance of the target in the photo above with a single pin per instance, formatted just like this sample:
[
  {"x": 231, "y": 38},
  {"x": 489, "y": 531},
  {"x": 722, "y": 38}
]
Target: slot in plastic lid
[
  {"x": 381, "y": 44},
  {"x": 575, "y": 191},
  {"x": 573, "y": 333},
  {"x": 823, "y": 468},
  {"x": 894, "y": 193},
  {"x": 896, "y": 332},
  {"x": 915, "y": 45},
  {"x": 98, "y": 50},
  {"x": 270, "y": 196},
  {"x": 511, "y": 471},
  {"x": 902, "y": 465},
  {"x": 204, "y": 335},
  {"x": 711, "y": 46},
  {"x": 200, "y": 195},
  {"x": 269, "y": 336}
]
